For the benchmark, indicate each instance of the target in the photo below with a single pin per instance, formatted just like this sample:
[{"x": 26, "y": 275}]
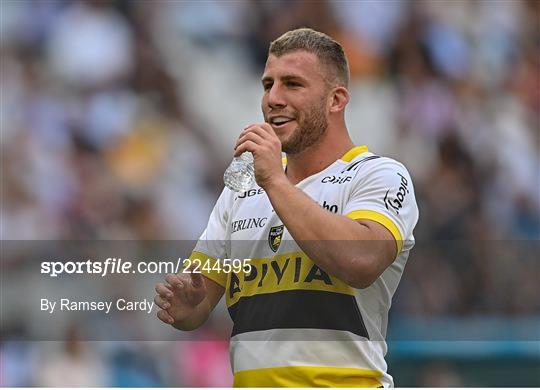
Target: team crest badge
[{"x": 274, "y": 237}]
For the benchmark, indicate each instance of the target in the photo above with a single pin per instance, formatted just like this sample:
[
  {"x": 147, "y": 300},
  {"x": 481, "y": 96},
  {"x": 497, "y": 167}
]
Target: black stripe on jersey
[
  {"x": 355, "y": 165},
  {"x": 297, "y": 309}
]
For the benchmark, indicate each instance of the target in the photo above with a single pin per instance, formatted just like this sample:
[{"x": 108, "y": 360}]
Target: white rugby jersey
[{"x": 294, "y": 324}]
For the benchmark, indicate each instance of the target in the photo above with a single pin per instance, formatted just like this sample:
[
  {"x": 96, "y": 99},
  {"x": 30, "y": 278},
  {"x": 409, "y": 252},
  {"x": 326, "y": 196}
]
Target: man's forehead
[{"x": 301, "y": 63}]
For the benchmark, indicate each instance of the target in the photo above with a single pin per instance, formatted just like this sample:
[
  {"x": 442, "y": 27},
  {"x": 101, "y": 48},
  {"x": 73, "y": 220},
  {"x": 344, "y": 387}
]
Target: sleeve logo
[{"x": 396, "y": 204}]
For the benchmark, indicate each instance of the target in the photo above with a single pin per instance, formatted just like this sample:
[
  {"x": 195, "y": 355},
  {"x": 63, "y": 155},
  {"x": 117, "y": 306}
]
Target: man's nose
[{"x": 275, "y": 97}]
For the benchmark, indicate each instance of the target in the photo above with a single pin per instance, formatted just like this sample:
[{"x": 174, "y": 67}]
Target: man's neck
[{"x": 317, "y": 157}]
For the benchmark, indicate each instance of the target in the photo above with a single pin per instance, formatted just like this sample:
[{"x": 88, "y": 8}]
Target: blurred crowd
[{"x": 119, "y": 118}]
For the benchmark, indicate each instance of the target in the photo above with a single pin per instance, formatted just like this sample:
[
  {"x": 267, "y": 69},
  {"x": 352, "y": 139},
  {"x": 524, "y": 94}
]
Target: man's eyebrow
[
  {"x": 283, "y": 78},
  {"x": 292, "y": 77}
]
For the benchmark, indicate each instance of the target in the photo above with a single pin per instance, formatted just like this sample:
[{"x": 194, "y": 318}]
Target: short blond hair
[{"x": 328, "y": 51}]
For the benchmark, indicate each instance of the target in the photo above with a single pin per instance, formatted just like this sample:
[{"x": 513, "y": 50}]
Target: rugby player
[{"x": 330, "y": 228}]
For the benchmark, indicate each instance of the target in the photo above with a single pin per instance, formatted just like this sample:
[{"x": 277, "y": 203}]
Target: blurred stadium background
[{"x": 119, "y": 117}]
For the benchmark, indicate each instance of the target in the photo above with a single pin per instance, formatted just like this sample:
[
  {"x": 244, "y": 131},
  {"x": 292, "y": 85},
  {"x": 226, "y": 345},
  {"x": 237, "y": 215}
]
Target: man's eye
[{"x": 266, "y": 87}]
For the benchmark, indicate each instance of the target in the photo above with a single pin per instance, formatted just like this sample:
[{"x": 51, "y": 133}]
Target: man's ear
[{"x": 340, "y": 99}]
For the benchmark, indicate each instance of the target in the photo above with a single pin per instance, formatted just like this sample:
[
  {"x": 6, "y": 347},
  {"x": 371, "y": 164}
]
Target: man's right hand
[{"x": 179, "y": 300}]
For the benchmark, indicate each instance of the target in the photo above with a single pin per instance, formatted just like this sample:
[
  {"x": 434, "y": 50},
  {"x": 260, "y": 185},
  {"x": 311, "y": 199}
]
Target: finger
[
  {"x": 250, "y": 136},
  {"x": 251, "y": 129},
  {"x": 174, "y": 281},
  {"x": 268, "y": 128},
  {"x": 251, "y": 125},
  {"x": 162, "y": 303},
  {"x": 248, "y": 146},
  {"x": 263, "y": 129},
  {"x": 165, "y": 317},
  {"x": 162, "y": 290}
]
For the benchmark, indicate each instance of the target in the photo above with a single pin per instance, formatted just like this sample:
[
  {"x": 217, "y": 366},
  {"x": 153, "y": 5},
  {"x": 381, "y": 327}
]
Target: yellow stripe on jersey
[
  {"x": 383, "y": 220},
  {"x": 351, "y": 154},
  {"x": 218, "y": 277},
  {"x": 283, "y": 272},
  {"x": 347, "y": 157},
  {"x": 307, "y": 376}
]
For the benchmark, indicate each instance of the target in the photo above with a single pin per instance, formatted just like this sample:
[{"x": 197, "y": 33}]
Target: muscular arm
[{"x": 355, "y": 251}]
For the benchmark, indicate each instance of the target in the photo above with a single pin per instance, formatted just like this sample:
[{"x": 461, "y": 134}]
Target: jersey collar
[
  {"x": 351, "y": 154},
  {"x": 347, "y": 157}
]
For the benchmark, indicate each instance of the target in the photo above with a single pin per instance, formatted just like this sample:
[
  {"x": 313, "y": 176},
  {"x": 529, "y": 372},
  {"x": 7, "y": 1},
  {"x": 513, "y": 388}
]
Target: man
[{"x": 330, "y": 230}]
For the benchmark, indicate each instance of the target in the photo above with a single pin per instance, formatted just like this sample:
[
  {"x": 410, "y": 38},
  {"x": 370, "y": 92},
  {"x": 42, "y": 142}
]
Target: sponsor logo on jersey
[
  {"x": 396, "y": 202},
  {"x": 248, "y": 223},
  {"x": 274, "y": 237},
  {"x": 289, "y": 291},
  {"x": 336, "y": 179},
  {"x": 333, "y": 208},
  {"x": 250, "y": 193},
  {"x": 291, "y": 271}
]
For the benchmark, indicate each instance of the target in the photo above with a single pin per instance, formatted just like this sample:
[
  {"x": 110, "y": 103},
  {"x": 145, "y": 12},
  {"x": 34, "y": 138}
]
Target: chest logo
[{"x": 274, "y": 237}]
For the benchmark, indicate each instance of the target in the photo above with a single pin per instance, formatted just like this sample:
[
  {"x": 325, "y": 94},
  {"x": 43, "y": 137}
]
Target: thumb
[{"x": 197, "y": 280}]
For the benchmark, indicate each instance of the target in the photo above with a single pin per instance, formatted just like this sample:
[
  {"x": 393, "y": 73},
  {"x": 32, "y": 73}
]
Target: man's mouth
[{"x": 280, "y": 121}]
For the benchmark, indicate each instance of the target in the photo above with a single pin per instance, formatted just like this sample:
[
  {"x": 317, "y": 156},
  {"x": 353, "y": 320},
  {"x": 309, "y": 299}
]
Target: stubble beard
[{"x": 309, "y": 131}]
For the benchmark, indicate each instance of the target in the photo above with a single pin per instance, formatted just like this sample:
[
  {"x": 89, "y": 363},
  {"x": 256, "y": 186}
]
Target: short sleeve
[
  {"x": 211, "y": 246},
  {"x": 382, "y": 191}
]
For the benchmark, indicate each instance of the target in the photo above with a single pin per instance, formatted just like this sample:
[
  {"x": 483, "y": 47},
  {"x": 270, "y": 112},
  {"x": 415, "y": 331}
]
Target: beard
[{"x": 311, "y": 127}]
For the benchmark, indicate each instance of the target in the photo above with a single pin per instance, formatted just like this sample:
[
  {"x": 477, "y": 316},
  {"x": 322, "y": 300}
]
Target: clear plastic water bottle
[{"x": 240, "y": 175}]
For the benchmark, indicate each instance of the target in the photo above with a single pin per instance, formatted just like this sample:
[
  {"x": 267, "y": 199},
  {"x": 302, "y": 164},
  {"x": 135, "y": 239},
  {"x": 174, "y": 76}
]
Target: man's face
[{"x": 295, "y": 100}]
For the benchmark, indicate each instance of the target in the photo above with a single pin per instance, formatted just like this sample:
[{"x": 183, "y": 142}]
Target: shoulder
[
  {"x": 382, "y": 190},
  {"x": 370, "y": 166}
]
